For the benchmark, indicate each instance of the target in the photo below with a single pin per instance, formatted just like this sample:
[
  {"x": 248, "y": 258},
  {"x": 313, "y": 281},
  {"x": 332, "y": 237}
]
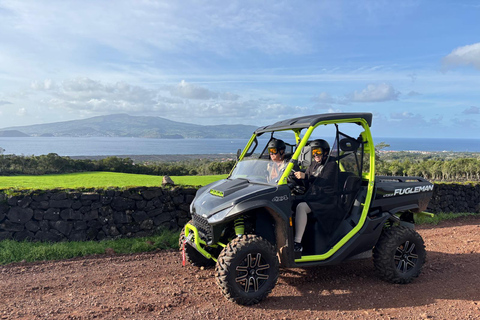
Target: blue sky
[{"x": 414, "y": 64}]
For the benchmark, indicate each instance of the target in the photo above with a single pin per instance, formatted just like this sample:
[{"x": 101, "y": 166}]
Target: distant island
[
  {"x": 124, "y": 125},
  {"x": 12, "y": 134}
]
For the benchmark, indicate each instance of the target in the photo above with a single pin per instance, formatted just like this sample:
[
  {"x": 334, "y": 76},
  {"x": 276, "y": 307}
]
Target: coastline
[{"x": 164, "y": 157}]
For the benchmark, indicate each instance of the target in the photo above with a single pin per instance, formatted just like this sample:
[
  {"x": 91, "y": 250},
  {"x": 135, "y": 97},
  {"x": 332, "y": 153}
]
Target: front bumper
[{"x": 193, "y": 239}]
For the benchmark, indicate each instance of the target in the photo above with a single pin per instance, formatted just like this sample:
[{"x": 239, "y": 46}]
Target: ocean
[{"x": 99, "y": 146}]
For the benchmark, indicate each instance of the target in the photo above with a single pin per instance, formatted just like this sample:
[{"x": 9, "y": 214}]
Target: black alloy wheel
[
  {"x": 399, "y": 255},
  {"x": 247, "y": 269},
  {"x": 406, "y": 257},
  {"x": 252, "y": 273}
]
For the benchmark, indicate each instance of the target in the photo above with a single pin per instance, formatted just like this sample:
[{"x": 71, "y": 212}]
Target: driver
[
  {"x": 318, "y": 169},
  {"x": 276, "y": 149}
]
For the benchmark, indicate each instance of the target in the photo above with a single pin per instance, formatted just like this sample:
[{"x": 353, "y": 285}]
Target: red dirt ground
[{"x": 156, "y": 286}]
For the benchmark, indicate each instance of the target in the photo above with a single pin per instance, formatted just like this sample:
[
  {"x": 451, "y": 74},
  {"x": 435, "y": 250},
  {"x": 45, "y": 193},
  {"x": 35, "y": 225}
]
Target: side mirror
[{"x": 239, "y": 152}]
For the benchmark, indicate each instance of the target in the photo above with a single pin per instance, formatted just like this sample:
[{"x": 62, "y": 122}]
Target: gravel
[{"x": 156, "y": 286}]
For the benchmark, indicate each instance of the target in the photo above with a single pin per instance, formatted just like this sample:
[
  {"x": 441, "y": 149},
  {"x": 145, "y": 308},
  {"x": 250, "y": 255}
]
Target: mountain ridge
[{"x": 124, "y": 125}]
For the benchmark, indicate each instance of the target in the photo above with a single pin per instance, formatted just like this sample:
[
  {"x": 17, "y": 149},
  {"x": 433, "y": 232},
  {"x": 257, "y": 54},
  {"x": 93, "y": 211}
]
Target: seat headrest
[{"x": 348, "y": 144}]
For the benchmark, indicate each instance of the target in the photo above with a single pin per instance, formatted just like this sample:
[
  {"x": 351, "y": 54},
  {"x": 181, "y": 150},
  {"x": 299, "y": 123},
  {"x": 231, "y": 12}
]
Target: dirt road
[{"x": 156, "y": 286}]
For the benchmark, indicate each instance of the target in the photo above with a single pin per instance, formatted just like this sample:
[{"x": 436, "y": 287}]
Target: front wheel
[
  {"x": 399, "y": 255},
  {"x": 247, "y": 269}
]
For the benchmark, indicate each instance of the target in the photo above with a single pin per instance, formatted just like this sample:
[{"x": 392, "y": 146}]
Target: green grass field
[
  {"x": 14, "y": 251},
  {"x": 98, "y": 180}
]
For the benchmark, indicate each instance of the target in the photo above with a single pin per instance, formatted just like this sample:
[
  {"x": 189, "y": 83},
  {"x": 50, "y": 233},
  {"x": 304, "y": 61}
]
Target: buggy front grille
[{"x": 203, "y": 227}]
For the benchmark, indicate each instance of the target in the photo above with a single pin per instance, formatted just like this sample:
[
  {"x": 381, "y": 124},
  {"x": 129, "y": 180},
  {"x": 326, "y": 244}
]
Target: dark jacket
[{"x": 320, "y": 182}]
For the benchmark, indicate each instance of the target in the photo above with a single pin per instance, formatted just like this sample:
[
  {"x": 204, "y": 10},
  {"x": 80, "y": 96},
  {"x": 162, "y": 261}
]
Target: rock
[
  {"x": 131, "y": 194},
  {"x": 12, "y": 201},
  {"x": 76, "y": 205},
  {"x": 52, "y": 214},
  {"x": 39, "y": 205},
  {"x": 178, "y": 199},
  {"x": 32, "y": 226},
  {"x": 121, "y": 217},
  {"x": 152, "y": 193},
  {"x": 154, "y": 213},
  {"x": 60, "y": 203},
  {"x": 19, "y": 214},
  {"x": 139, "y": 216},
  {"x": 106, "y": 200},
  {"x": 162, "y": 219},
  {"x": 58, "y": 196},
  {"x": 40, "y": 197},
  {"x": 167, "y": 181},
  {"x": 5, "y": 235},
  {"x": 147, "y": 224},
  {"x": 80, "y": 225},
  {"x": 25, "y": 202},
  {"x": 78, "y": 236},
  {"x": 63, "y": 227},
  {"x": 10, "y": 226},
  {"x": 90, "y": 196},
  {"x": 90, "y": 215},
  {"x": 23, "y": 235},
  {"x": 122, "y": 204},
  {"x": 47, "y": 236}
]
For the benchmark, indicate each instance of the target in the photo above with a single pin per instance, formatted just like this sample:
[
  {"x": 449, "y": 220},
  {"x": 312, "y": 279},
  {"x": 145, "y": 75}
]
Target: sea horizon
[{"x": 110, "y": 146}]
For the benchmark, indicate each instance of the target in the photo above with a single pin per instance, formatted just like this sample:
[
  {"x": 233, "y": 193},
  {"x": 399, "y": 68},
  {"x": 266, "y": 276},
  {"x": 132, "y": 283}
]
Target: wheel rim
[
  {"x": 252, "y": 273},
  {"x": 406, "y": 257}
]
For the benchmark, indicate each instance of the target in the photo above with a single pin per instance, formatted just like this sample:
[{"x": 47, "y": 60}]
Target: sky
[{"x": 414, "y": 64}]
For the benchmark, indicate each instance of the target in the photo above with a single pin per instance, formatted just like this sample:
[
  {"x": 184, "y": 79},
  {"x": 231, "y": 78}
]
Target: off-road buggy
[{"x": 244, "y": 225}]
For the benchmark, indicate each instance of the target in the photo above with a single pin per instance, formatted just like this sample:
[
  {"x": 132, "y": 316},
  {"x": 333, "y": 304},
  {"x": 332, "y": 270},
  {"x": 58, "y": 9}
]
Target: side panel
[
  {"x": 395, "y": 194},
  {"x": 362, "y": 241}
]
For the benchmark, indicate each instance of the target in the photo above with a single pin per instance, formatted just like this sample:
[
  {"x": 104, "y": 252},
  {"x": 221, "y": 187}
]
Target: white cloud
[
  {"x": 91, "y": 97},
  {"x": 324, "y": 97},
  {"x": 412, "y": 76},
  {"x": 46, "y": 84},
  {"x": 472, "y": 110},
  {"x": 466, "y": 55},
  {"x": 229, "y": 96},
  {"x": 413, "y": 94},
  {"x": 409, "y": 119},
  {"x": 21, "y": 112},
  {"x": 191, "y": 91},
  {"x": 4, "y": 102},
  {"x": 465, "y": 123},
  {"x": 375, "y": 93}
]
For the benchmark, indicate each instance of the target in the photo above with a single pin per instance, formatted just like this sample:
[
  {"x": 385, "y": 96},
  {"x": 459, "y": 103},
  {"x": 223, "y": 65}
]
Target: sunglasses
[
  {"x": 317, "y": 152},
  {"x": 273, "y": 150}
]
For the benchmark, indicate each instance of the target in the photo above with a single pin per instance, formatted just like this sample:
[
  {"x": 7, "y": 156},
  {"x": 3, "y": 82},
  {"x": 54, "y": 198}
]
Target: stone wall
[
  {"x": 78, "y": 216},
  {"x": 455, "y": 198},
  {"x": 58, "y": 215}
]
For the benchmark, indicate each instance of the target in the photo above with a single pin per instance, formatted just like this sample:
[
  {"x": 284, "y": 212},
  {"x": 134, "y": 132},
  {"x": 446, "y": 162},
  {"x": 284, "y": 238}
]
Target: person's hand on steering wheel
[{"x": 299, "y": 175}]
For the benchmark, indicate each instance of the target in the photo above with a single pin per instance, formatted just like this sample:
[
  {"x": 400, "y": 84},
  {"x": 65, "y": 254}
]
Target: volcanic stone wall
[
  {"x": 455, "y": 198},
  {"x": 76, "y": 216},
  {"x": 106, "y": 214}
]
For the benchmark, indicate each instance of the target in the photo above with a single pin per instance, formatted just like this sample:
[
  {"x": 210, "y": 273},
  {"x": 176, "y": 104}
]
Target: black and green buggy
[{"x": 244, "y": 225}]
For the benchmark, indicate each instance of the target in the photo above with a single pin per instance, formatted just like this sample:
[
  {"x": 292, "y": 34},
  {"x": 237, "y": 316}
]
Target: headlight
[
  {"x": 191, "y": 206},
  {"x": 220, "y": 215}
]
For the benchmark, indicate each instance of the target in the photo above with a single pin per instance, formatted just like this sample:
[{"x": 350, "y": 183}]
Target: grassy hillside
[
  {"x": 123, "y": 125},
  {"x": 98, "y": 180}
]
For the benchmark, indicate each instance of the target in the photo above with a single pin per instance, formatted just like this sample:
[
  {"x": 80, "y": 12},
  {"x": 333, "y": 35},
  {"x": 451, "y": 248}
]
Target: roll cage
[{"x": 310, "y": 123}]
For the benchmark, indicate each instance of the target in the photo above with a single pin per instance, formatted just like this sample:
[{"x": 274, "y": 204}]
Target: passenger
[
  {"x": 276, "y": 149},
  {"x": 318, "y": 169}
]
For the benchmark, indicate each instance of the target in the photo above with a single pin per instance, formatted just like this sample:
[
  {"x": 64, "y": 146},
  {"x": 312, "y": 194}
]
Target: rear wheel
[
  {"x": 192, "y": 255},
  {"x": 399, "y": 255},
  {"x": 247, "y": 269}
]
